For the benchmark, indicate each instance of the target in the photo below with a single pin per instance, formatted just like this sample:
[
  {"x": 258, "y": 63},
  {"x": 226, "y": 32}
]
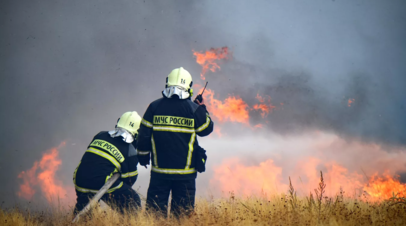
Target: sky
[{"x": 69, "y": 69}]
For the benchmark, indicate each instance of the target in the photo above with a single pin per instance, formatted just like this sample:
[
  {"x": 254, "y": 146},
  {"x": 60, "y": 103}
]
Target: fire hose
[{"x": 97, "y": 196}]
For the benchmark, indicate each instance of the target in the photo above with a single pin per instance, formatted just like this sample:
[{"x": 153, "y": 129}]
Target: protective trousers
[
  {"x": 183, "y": 196},
  {"x": 122, "y": 198}
]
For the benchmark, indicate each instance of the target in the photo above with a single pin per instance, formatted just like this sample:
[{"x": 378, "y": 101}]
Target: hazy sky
[{"x": 69, "y": 69}]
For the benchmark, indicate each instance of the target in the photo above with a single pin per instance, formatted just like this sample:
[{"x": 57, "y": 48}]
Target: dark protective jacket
[
  {"x": 167, "y": 136},
  {"x": 105, "y": 156}
]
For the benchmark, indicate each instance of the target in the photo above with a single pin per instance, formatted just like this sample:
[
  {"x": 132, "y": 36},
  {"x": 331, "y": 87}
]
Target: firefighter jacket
[
  {"x": 104, "y": 157},
  {"x": 167, "y": 136}
]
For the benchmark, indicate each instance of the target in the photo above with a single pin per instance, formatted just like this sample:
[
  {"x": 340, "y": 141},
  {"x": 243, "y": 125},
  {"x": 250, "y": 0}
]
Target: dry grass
[{"x": 276, "y": 210}]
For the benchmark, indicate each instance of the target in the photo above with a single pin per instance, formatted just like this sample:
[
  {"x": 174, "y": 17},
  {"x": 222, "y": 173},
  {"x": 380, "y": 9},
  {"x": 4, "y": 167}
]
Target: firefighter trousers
[
  {"x": 122, "y": 198},
  {"x": 183, "y": 196}
]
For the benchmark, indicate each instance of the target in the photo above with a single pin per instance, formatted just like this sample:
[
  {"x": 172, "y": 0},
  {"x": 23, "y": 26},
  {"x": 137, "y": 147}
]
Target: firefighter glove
[
  {"x": 144, "y": 159},
  {"x": 199, "y": 99}
]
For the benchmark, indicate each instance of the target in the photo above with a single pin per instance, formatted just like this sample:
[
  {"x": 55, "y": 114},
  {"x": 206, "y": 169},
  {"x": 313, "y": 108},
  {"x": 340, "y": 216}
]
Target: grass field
[
  {"x": 278, "y": 210},
  {"x": 284, "y": 209}
]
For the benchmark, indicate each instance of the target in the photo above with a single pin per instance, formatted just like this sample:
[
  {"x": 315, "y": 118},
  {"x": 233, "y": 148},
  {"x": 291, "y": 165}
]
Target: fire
[
  {"x": 264, "y": 108},
  {"x": 350, "y": 101},
  {"x": 266, "y": 177},
  {"x": 385, "y": 187},
  {"x": 208, "y": 59},
  {"x": 231, "y": 175},
  {"x": 259, "y": 126},
  {"x": 235, "y": 109},
  {"x": 302, "y": 158},
  {"x": 26, "y": 191},
  {"x": 232, "y": 109},
  {"x": 42, "y": 175}
]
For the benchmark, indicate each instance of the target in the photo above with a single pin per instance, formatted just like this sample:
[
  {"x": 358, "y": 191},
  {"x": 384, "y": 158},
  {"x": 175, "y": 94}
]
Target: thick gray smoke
[
  {"x": 375, "y": 114},
  {"x": 70, "y": 68}
]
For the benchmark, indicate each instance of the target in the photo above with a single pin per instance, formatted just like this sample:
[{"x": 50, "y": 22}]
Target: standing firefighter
[
  {"x": 110, "y": 152},
  {"x": 168, "y": 136}
]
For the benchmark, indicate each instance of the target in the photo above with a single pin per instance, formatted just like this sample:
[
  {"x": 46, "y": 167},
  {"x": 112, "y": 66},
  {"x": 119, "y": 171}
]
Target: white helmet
[
  {"x": 130, "y": 121},
  {"x": 179, "y": 77}
]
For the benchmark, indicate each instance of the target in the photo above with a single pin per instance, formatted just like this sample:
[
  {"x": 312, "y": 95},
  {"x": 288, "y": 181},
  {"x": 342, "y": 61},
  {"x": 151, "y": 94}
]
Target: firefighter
[
  {"x": 108, "y": 153},
  {"x": 167, "y": 137}
]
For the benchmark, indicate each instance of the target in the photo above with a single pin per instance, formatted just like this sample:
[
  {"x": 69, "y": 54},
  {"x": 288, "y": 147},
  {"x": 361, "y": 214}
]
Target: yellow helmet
[
  {"x": 130, "y": 121},
  {"x": 179, "y": 77}
]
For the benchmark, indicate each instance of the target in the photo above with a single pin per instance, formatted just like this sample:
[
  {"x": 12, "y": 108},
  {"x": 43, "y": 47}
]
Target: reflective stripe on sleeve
[
  {"x": 111, "y": 174},
  {"x": 154, "y": 151},
  {"x": 129, "y": 174},
  {"x": 74, "y": 173},
  {"x": 85, "y": 190},
  {"x": 173, "y": 171},
  {"x": 143, "y": 152},
  {"x": 173, "y": 129},
  {"x": 190, "y": 152},
  {"x": 105, "y": 155},
  {"x": 204, "y": 126},
  {"x": 146, "y": 123},
  {"x": 115, "y": 188}
]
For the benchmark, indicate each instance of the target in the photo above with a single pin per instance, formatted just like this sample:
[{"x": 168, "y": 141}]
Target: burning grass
[{"x": 284, "y": 209}]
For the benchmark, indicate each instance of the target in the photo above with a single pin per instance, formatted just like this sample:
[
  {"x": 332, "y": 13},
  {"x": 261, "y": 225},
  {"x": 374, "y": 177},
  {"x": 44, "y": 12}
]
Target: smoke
[
  {"x": 303, "y": 103},
  {"x": 70, "y": 69}
]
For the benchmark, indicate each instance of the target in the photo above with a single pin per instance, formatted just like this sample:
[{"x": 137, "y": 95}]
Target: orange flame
[
  {"x": 265, "y": 178},
  {"x": 384, "y": 187},
  {"x": 208, "y": 59},
  {"x": 26, "y": 191},
  {"x": 232, "y": 109},
  {"x": 259, "y": 126},
  {"x": 264, "y": 108},
  {"x": 235, "y": 109},
  {"x": 350, "y": 101},
  {"x": 42, "y": 174},
  {"x": 231, "y": 175}
]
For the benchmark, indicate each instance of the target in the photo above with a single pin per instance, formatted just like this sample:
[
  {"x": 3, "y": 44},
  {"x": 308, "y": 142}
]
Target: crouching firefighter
[
  {"x": 110, "y": 152},
  {"x": 167, "y": 137}
]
